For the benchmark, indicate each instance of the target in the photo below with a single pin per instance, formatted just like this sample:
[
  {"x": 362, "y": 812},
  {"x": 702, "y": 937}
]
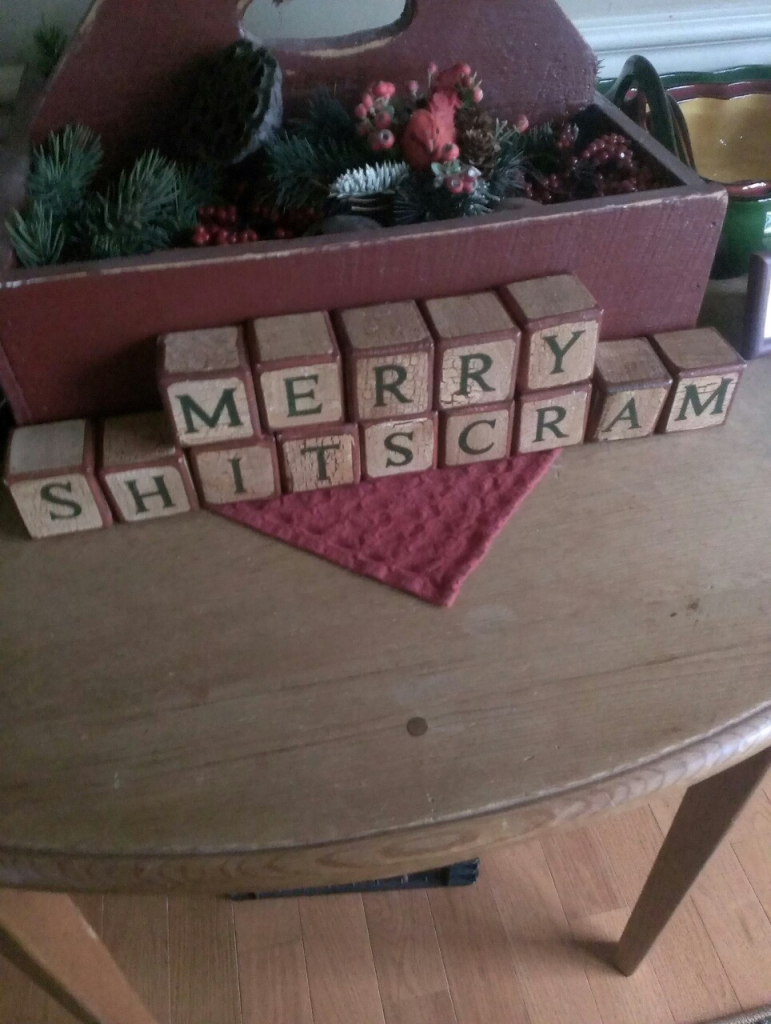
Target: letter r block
[
  {"x": 389, "y": 357},
  {"x": 480, "y": 433},
  {"x": 207, "y": 387},
  {"x": 314, "y": 458},
  {"x": 391, "y": 447},
  {"x": 143, "y": 469},
  {"x": 631, "y": 386},
  {"x": 296, "y": 364},
  {"x": 560, "y": 323},
  {"x": 477, "y": 345},
  {"x": 552, "y": 419},
  {"x": 50, "y": 472},
  {"x": 707, "y": 373}
]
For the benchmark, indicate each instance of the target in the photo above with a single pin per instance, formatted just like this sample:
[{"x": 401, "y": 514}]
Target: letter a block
[
  {"x": 560, "y": 323},
  {"x": 390, "y": 447},
  {"x": 297, "y": 370},
  {"x": 477, "y": 345},
  {"x": 49, "y": 470},
  {"x": 207, "y": 387},
  {"x": 631, "y": 386},
  {"x": 313, "y": 458},
  {"x": 478, "y": 434},
  {"x": 241, "y": 471},
  {"x": 389, "y": 361},
  {"x": 706, "y": 371},
  {"x": 143, "y": 469},
  {"x": 552, "y": 419}
]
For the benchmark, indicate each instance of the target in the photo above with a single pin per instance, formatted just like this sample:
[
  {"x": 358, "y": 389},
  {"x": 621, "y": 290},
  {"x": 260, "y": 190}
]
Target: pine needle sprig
[
  {"x": 300, "y": 172},
  {"x": 63, "y": 169},
  {"x": 418, "y": 200},
  {"x": 50, "y": 42},
  {"x": 38, "y": 237},
  {"x": 370, "y": 180},
  {"x": 326, "y": 118},
  {"x": 507, "y": 177}
]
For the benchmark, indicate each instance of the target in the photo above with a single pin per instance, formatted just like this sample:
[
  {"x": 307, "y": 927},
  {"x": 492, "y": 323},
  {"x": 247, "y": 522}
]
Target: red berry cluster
[
  {"x": 282, "y": 224},
  {"x": 608, "y": 149},
  {"x": 218, "y": 225},
  {"x": 375, "y": 115}
]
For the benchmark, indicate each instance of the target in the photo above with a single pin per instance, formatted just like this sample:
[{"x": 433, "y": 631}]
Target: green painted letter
[
  {"x": 399, "y": 375},
  {"x": 47, "y": 494},
  {"x": 191, "y": 408},
  {"x": 560, "y": 414},
  {"x": 238, "y": 480},
  {"x": 560, "y": 353},
  {"x": 293, "y": 397},
  {"x": 161, "y": 491},
  {"x": 692, "y": 397},
  {"x": 629, "y": 412},
  {"x": 405, "y": 454},
  {"x": 463, "y": 439},
  {"x": 321, "y": 455},
  {"x": 484, "y": 365}
]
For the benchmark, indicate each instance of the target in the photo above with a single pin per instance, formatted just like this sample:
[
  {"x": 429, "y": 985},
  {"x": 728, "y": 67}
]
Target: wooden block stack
[{"x": 311, "y": 401}]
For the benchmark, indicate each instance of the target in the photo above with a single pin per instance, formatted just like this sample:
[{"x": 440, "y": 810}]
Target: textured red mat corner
[{"x": 404, "y": 530}]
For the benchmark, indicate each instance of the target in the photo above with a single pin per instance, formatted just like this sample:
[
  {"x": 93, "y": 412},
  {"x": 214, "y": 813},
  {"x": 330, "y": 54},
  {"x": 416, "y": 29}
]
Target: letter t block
[
  {"x": 315, "y": 458},
  {"x": 207, "y": 387},
  {"x": 389, "y": 358}
]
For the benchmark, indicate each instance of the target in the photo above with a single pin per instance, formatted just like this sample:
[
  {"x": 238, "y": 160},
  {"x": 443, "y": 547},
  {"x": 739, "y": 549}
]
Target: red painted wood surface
[{"x": 119, "y": 75}]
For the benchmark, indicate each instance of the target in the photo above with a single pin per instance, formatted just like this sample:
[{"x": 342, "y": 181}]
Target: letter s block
[
  {"x": 406, "y": 445},
  {"x": 296, "y": 365},
  {"x": 707, "y": 373},
  {"x": 477, "y": 346},
  {"x": 207, "y": 387},
  {"x": 314, "y": 458},
  {"x": 631, "y": 386},
  {"x": 552, "y": 419},
  {"x": 389, "y": 358},
  {"x": 143, "y": 469},
  {"x": 50, "y": 472},
  {"x": 560, "y": 323},
  {"x": 480, "y": 433}
]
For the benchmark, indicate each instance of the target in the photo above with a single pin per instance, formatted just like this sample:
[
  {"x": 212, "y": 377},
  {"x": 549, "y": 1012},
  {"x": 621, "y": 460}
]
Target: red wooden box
[{"x": 78, "y": 340}]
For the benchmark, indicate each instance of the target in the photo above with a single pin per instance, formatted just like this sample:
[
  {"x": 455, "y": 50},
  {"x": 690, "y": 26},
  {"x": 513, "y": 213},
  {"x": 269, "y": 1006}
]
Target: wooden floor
[{"x": 528, "y": 943}]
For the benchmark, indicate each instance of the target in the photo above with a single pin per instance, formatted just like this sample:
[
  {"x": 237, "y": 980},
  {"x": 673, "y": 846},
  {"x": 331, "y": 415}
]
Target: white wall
[{"x": 676, "y": 34}]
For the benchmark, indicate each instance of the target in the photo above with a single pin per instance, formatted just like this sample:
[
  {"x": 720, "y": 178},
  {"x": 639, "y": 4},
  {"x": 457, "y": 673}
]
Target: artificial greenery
[
  {"x": 507, "y": 177},
  {"x": 373, "y": 179},
  {"x": 419, "y": 199},
  {"x": 50, "y": 42},
  {"x": 299, "y": 171},
  {"x": 326, "y": 118}
]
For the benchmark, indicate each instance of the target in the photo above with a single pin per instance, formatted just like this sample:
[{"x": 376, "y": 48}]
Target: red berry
[
  {"x": 366, "y": 100},
  {"x": 209, "y": 212},
  {"x": 450, "y": 152},
  {"x": 360, "y": 112},
  {"x": 464, "y": 69},
  {"x": 413, "y": 88},
  {"x": 280, "y": 232},
  {"x": 479, "y": 95},
  {"x": 383, "y": 120},
  {"x": 201, "y": 236},
  {"x": 469, "y": 185},
  {"x": 454, "y": 184},
  {"x": 222, "y": 237},
  {"x": 252, "y": 236},
  {"x": 384, "y": 89},
  {"x": 433, "y": 68},
  {"x": 387, "y": 139}
]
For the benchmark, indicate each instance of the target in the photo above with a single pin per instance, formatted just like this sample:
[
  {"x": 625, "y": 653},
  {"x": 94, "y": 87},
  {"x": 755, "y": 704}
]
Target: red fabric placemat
[{"x": 420, "y": 532}]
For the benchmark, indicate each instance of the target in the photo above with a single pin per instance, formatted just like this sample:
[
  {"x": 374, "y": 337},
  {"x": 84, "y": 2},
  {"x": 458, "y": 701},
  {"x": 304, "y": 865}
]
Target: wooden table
[{"x": 189, "y": 706}]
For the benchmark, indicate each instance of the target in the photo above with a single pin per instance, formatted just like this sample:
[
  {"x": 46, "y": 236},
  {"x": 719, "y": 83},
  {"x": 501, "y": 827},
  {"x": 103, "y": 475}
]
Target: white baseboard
[{"x": 697, "y": 39}]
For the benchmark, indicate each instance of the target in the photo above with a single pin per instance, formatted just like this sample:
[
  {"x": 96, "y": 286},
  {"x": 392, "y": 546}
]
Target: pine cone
[{"x": 477, "y": 138}]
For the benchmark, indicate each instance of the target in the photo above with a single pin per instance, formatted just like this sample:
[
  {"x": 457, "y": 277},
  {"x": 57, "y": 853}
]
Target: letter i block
[
  {"x": 297, "y": 369},
  {"x": 49, "y": 470},
  {"x": 560, "y": 323},
  {"x": 143, "y": 469},
  {"x": 706, "y": 371},
  {"x": 481, "y": 433},
  {"x": 314, "y": 458},
  {"x": 407, "y": 445},
  {"x": 207, "y": 387},
  {"x": 237, "y": 471},
  {"x": 389, "y": 358},
  {"x": 631, "y": 386},
  {"x": 552, "y": 419},
  {"x": 477, "y": 345}
]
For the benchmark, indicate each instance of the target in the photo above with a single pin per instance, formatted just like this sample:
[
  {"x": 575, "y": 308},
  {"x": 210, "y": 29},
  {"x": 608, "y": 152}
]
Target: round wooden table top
[{"x": 189, "y": 704}]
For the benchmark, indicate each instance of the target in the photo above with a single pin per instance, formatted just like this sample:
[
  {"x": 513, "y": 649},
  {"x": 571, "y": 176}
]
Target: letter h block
[
  {"x": 707, "y": 373},
  {"x": 50, "y": 472},
  {"x": 207, "y": 387},
  {"x": 560, "y": 323},
  {"x": 143, "y": 469},
  {"x": 296, "y": 365},
  {"x": 389, "y": 359}
]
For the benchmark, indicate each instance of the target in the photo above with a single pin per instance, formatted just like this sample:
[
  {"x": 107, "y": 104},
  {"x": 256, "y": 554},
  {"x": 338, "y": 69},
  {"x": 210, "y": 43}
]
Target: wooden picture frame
[{"x": 757, "y": 323}]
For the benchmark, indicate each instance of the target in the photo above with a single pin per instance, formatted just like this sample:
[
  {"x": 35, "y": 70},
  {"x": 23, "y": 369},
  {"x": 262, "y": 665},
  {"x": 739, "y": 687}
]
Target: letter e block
[
  {"x": 143, "y": 469},
  {"x": 707, "y": 373},
  {"x": 49, "y": 470},
  {"x": 631, "y": 386},
  {"x": 389, "y": 361},
  {"x": 560, "y": 323},
  {"x": 207, "y": 387},
  {"x": 477, "y": 345},
  {"x": 552, "y": 419},
  {"x": 478, "y": 434},
  {"x": 297, "y": 369},
  {"x": 240, "y": 471},
  {"x": 313, "y": 458},
  {"x": 390, "y": 447}
]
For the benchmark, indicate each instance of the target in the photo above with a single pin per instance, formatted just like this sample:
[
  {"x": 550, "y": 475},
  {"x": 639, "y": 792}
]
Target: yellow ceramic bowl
[{"x": 731, "y": 137}]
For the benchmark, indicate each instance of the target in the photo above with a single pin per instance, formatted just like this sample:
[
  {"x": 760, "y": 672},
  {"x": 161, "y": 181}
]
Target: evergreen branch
[
  {"x": 370, "y": 180},
  {"x": 63, "y": 168},
  {"x": 37, "y": 237},
  {"x": 507, "y": 177},
  {"x": 300, "y": 172},
  {"x": 327, "y": 118},
  {"x": 418, "y": 199},
  {"x": 50, "y": 43}
]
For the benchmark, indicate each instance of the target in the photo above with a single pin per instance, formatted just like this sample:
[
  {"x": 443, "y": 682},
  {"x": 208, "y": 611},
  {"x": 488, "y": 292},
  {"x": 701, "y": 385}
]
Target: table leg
[
  {"x": 49, "y": 939},
  {"x": 705, "y": 816}
]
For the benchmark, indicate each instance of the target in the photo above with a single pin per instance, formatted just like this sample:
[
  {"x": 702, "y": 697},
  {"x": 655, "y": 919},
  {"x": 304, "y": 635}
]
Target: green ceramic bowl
[{"x": 729, "y": 121}]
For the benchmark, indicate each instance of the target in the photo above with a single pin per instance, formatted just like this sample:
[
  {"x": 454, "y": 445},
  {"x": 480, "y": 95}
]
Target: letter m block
[{"x": 206, "y": 385}]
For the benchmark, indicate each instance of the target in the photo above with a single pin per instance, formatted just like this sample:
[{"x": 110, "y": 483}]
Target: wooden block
[
  {"x": 552, "y": 419},
  {"x": 631, "y": 386},
  {"x": 706, "y": 371},
  {"x": 477, "y": 345},
  {"x": 480, "y": 434},
  {"x": 317, "y": 457},
  {"x": 207, "y": 387},
  {"x": 297, "y": 370},
  {"x": 49, "y": 470},
  {"x": 389, "y": 361},
  {"x": 560, "y": 323},
  {"x": 407, "y": 445},
  {"x": 238, "y": 471},
  {"x": 143, "y": 469}
]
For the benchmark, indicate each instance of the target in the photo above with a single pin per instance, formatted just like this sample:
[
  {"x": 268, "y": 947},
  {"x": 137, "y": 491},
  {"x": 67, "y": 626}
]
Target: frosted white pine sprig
[{"x": 369, "y": 180}]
